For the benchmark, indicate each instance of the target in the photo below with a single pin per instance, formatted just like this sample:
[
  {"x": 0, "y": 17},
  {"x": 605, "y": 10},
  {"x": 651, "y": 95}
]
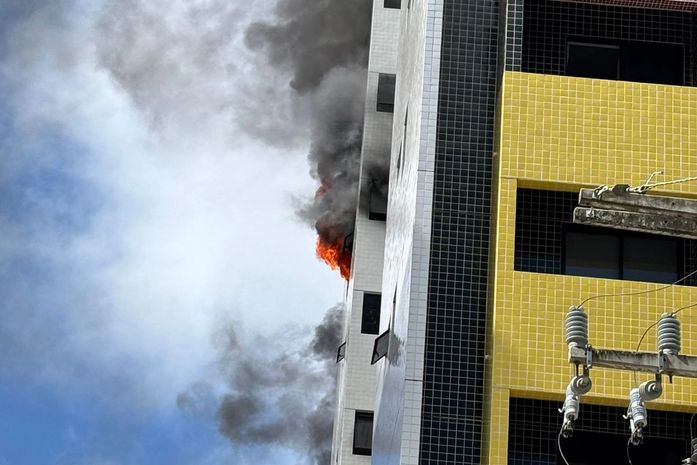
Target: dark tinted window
[
  {"x": 616, "y": 254},
  {"x": 386, "y": 84},
  {"x": 637, "y": 61},
  {"x": 393, "y": 4},
  {"x": 592, "y": 254},
  {"x": 363, "y": 433},
  {"x": 654, "y": 260},
  {"x": 370, "y": 321},
  {"x": 593, "y": 60},
  {"x": 652, "y": 62}
]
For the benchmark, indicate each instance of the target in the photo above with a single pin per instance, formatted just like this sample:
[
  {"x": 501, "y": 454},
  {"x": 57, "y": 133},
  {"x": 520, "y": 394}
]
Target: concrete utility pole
[
  {"x": 624, "y": 207},
  {"x": 621, "y": 207},
  {"x": 666, "y": 361}
]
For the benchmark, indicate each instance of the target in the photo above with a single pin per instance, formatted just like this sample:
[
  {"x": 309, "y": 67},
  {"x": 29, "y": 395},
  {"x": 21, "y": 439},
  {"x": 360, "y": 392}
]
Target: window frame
[
  {"x": 376, "y": 355},
  {"x": 621, "y": 235},
  {"x": 626, "y": 48},
  {"x": 359, "y": 450},
  {"x": 385, "y": 107},
  {"x": 341, "y": 354},
  {"x": 363, "y": 312}
]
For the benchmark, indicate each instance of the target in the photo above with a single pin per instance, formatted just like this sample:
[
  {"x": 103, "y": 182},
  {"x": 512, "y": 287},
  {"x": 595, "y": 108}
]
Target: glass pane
[
  {"x": 380, "y": 347},
  {"x": 363, "y": 433},
  {"x": 652, "y": 62},
  {"x": 370, "y": 322},
  {"x": 591, "y": 254},
  {"x": 651, "y": 259},
  {"x": 385, "y": 97},
  {"x": 593, "y": 60},
  {"x": 341, "y": 352}
]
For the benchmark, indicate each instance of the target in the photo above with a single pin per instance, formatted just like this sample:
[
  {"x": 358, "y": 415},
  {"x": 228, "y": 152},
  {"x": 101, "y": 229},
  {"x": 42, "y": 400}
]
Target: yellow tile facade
[{"x": 565, "y": 133}]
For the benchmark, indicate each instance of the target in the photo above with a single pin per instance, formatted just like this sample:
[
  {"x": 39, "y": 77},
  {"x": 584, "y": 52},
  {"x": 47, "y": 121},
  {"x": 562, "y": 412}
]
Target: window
[
  {"x": 386, "y": 85},
  {"x": 652, "y": 62},
  {"x": 593, "y": 60},
  {"x": 620, "y": 255},
  {"x": 380, "y": 347},
  {"x": 592, "y": 254},
  {"x": 377, "y": 208},
  {"x": 546, "y": 242},
  {"x": 363, "y": 433},
  {"x": 393, "y": 4},
  {"x": 341, "y": 352},
  {"x": 655, "y": 261},
  {"x": 370, "y": 320}
]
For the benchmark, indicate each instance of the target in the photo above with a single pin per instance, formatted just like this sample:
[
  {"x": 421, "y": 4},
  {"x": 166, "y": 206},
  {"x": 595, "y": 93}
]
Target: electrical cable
[
  {"x": 566, "y": 462},
  {"x": 641, "y": 339},
  {"x": 629, "y": 459},
  {"x": 692, "y": 435},
  {"x": 683, "y": 308},
  {"x": 625, "y": 294}
]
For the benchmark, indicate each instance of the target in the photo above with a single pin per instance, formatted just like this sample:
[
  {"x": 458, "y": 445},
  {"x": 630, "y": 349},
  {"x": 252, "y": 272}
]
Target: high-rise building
[{"x": 502, "y": 111}]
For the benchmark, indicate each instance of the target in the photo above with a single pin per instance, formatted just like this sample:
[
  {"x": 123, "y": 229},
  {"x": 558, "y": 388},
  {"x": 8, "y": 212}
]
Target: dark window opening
[
  {"x": 377, "y": 208},
  {"x": 636, "y": 61},
  {"x": 386, "y": 86},
  {"x": 546, "y": 241},
  {"x": 593, "y": 61},
  {"x": 341, "y": 352},
  {"x": 600, "y": 436},
  {"x": 611, "y": 449},
  {"x": 614, "y": 254},
  {"x": 370, "y": 318},
  {"x": 347, "y": 249},
  {"x": 655, "y": 261},
  {"x": 363, "y": 433},
  {"x": 591, "y": 253},
  {"x": 393, "y": 4},
  {"x": 380, "y": 347}
]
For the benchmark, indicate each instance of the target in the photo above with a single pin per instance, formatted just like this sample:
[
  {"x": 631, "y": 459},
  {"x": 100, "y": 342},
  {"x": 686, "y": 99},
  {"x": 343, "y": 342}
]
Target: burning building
[{"x": 501, "y": 111}]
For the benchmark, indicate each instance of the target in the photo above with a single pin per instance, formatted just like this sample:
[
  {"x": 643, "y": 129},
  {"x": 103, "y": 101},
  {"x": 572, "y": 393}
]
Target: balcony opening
[
  {"x": 546, "y": 241},
  {"x": 636, "y": 61}
]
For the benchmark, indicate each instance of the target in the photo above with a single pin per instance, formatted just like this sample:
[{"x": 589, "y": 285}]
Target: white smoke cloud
[{"x": 136, "y": 219}]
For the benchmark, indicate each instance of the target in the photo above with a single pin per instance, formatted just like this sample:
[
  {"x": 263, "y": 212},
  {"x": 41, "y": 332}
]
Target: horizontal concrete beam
[
  {"x": 619, "y": 199},
  {"x": 676, "y": 365},
  {"x": 657, "y": 223}
]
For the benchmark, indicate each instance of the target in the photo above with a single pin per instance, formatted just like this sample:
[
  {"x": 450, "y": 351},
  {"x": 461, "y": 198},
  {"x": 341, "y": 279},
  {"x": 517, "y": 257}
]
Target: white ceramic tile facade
[
  {"x": 408, "y": 233},
  {"x": 357, "y": 378}
]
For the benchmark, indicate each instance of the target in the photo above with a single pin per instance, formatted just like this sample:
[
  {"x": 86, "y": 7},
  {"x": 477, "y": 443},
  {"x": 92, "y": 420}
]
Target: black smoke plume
[
  {"x": 323, "y": 45},
  {"x": 303, "y": 74},
  {"x": 281, "y": 389}
]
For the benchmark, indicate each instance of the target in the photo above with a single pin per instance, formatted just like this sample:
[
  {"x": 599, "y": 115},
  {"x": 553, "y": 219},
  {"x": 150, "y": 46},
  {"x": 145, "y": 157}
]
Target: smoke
[
  {"x": 299, "y": 73},
  {"x": 324, "y": 46},
  {"x": 280, "y": 389}
]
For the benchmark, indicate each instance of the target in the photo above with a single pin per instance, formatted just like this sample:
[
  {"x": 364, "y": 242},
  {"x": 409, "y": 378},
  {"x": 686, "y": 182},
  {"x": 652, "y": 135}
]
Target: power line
[
  {"x": 566, "y": 462},
  {"x": 626, "y": 294}
]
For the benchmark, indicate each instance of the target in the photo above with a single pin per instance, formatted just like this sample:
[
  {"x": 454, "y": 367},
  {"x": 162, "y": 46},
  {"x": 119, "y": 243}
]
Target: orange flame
[{"x": 334, "y": 256}]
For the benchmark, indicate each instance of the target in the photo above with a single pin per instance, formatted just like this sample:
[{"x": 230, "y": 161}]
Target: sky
[{"x": 153, "y": 264}]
